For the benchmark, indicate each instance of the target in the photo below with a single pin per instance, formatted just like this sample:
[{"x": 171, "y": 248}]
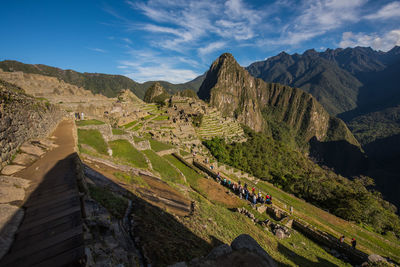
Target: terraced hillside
[
  {"x": 163, "y": 188},
  {"x": 213, "y": 124}
]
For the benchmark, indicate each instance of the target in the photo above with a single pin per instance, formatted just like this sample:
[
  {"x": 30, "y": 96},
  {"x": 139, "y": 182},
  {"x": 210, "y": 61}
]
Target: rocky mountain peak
[
  {"x": 155, "y": 93},
  {"x": 232, "y": 90}
]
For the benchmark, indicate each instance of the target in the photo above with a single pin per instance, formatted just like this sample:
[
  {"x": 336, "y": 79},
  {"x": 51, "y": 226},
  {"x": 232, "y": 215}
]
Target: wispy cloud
[
  {"x": 382, "y": 42},
  {"x": 98, "y": 50},
  {"x": 391, "y": 10},
  {"x": 317, "y": 18},
  {"x": 211, "y": 48},
  {"x": 144, "y": 65}
]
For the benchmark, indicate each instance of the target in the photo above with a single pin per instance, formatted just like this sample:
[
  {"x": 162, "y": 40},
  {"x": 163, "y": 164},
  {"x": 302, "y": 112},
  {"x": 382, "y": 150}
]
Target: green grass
[
  {"x": 161, "y": 118},
  {"x": 123, "y": 150},
  {"x": 89, "y": 122},
  {"x": 131, "y": 179},
  {"x": 129, "y": 125},
  {"x": 163, "y": 167},
  {"x": 192, "y": 177},
  {"x": 138, "y": 139},
  {"x": 115, "y": 204},
  {"x": 148, "y": 117},
  {"x": 118, "y": 131},
  {"x": 368, "y": 241},
  {"x": 137, "y": 127},
  {"x": 183, "y": 153},
  {"x": 94, "y": 139},
  {"x": 159, "y": 146}
]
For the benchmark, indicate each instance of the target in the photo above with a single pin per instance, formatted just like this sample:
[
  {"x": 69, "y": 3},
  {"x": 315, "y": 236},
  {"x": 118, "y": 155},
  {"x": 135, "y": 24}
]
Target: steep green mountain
[
  {"x": 354, "y": 80},
  {"x": 260, "y": 105},
  {"x": 106, "y": 84},
  {"x": 360, "y": 85},
  {"x": 333, "y": 87},
  {"x": 156, "y": 94},
  {"x": 288, "y": 114}
]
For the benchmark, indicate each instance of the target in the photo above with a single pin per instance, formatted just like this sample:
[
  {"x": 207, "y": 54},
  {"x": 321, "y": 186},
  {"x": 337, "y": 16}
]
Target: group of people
[
  {"x": 353, "y": 241},
  {"x": 244, "y": 191}
]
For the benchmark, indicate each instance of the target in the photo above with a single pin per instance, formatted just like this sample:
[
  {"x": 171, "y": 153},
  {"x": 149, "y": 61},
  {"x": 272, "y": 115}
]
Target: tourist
[
  {"x": 224, "y": 183},
  {"x": 353, "y": 243},
  {"x": 247, "y": 194},
  {"x": 291, "y": 209},
  {"x": 254, "y": 199},
  {"x": 252, "y": 190},
  {"x": 341, "y": 239}
]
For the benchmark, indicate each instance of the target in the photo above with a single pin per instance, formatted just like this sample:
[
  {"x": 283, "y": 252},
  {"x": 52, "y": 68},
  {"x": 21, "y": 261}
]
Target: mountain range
[{"x": 106, "y": 84}]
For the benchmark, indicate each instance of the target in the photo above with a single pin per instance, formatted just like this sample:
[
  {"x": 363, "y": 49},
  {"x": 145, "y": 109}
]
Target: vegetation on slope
[
  {"x": 163, "y": 167},
  {"x": 89, "y": 122},
  {"x": 276, "y": 162},
  {"x": 94, "y": 139},
  {"x": 122, "y": 149}
]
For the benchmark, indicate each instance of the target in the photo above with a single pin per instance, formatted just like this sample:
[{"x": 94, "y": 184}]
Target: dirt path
[
  {"x": 51, "y": 232},
  {"x": 63, "y": 138}
]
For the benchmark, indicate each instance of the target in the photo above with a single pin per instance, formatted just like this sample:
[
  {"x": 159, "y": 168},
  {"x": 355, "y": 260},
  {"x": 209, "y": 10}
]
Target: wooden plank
[
  {"x": 70, "y": 258},
  {"x": 50, "y": 218},
  {"x": 40, "y": 201},
  {"x": 46, "y": 248},
  {"x": 57, "y": 226},
  {"x": 50, "y": 205},
  {"x": 40, "y": 192},
  {"x": 44, "y": 213},
  {"x": 75, "y": 216},
  {"x": 29, "y": 258}
]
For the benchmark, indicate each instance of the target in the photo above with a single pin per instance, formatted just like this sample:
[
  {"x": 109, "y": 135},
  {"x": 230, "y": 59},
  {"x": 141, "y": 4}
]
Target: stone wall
[
  {"x": 23, "y": 118},
  {"x": 352, "y": 255}
]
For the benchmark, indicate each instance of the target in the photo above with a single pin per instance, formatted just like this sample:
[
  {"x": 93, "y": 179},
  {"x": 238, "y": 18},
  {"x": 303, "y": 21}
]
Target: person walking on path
[
  {"x": 341, "y": 239},
  {"x": 353, "y": 243}
]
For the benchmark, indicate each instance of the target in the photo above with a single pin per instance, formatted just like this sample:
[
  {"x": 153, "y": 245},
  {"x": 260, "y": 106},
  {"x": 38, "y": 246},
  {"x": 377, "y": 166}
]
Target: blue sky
[{"x": 177, "y": 40}]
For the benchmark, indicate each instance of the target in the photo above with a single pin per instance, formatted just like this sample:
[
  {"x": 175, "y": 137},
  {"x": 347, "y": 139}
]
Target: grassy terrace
[
  {"x": 124, "y": 151},
  {"x": 161, "y": 118},
  {"x": 367, "y": 240},
  {"x": 159, "y": 146},
  {"x": 129, "y": 125},
  {"x": 94, "y": 139},
  {"x": 164, "y": 168},
  {"x": 89, "y": 122},
  {"x": 118, "y": 132}
]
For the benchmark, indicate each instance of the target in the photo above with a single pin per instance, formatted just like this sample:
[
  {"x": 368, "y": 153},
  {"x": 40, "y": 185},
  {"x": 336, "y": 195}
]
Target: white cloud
[
  {"x": 145, "y": 65},
  {"x": 391, "y": 10},
  {"x": 382, "y": 42},
  {"x": 98, "y": 50},
  {"x": 127, "y": 40},
  {"x": 162, "y": 72},
  {"x": 316, "y": 18},
  {"x": 211, "y": 48}
]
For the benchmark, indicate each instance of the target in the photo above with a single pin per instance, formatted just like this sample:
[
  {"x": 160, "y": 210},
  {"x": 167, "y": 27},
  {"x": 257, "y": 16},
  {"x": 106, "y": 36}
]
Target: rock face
[
  {"x": 155, "y": 93},
  {"x": 233, "y": 91},
  {"x": 22, "y": 118}
]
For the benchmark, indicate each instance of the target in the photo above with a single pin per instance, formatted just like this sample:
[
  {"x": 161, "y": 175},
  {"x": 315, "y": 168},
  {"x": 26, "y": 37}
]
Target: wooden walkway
[{"x": 51, "y": 232}]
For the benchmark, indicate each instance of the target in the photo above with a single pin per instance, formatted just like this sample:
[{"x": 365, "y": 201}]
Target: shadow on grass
[
  {"x": 300, "y": 260},
  {"x": 160, "y": 236}
]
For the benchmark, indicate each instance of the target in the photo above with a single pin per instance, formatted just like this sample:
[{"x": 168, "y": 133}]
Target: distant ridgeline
[
  {"x": 361, "y": 86},
  {"x": 106, "y": 84}
]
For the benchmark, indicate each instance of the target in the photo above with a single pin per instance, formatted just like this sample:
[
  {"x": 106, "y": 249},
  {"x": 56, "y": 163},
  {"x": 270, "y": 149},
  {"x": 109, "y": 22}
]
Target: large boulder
[
  {"x": 219, "y": 251},
  {"x": 246, "y": 242}
]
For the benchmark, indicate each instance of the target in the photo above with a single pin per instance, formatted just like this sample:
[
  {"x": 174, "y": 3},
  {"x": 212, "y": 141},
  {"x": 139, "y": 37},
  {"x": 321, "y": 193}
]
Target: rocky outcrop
[
  {"x": 155, "y": 93},
  {"x": 257, "y": 104},
  {"x": 243, "y": 251},
  {"x": 23, "y": 118}
]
